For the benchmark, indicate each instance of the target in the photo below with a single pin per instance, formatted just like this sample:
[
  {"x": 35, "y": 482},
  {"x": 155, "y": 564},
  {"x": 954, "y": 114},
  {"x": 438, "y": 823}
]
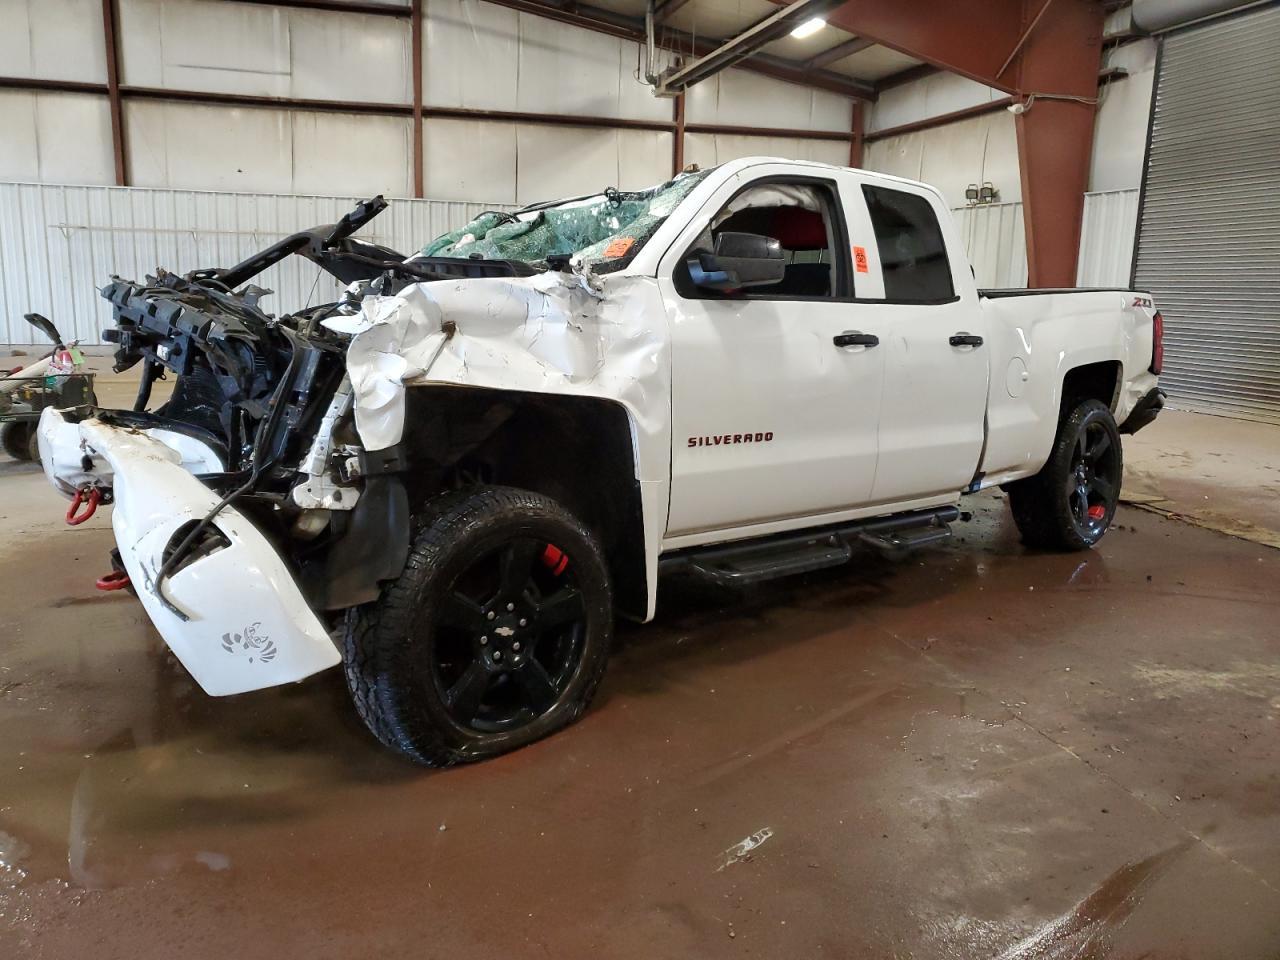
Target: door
[
  {"x": 775, "y": 391},
  {"x": 1208, "y": 243},
  {"x": 925, "y": 309}
]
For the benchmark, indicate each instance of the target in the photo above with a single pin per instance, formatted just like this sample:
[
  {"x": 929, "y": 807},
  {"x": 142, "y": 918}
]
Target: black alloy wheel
[
  {"x": 1070, "y": 503},
  {"x": 510, "y": 636},
  {"x": 1093, "y": 486},
  {"x": 496, "y": 634}
]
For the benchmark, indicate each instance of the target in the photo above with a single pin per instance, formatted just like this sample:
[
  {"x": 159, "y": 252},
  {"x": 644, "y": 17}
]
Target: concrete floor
[{"x": 976, "y": 752}]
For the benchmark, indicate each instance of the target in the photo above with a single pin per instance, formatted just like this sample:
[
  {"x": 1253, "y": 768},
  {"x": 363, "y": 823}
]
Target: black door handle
[
  {"x": 852, "y": 338},
  {"x": 963, "y": 339}
]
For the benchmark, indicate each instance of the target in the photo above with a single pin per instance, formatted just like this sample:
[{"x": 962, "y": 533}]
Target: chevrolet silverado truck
[{"x": 452, "y": 478}]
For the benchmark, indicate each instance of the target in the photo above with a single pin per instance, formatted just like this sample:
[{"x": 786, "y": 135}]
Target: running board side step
[{"x": 782, "y": 555}]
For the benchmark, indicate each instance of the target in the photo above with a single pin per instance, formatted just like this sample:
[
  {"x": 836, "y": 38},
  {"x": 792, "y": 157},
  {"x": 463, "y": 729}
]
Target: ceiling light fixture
[{"x": 808, "y": 28}]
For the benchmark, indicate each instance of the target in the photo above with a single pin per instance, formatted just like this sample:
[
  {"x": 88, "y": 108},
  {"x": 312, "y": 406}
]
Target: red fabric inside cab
[{"x": 798, "y": 229}]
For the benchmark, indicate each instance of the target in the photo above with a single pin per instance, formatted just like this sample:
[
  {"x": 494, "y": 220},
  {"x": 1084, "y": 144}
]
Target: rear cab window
[{"x": 911, "y": 247}]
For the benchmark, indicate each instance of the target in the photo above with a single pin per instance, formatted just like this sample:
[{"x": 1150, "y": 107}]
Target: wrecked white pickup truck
[{"x": 466, "y": 465}]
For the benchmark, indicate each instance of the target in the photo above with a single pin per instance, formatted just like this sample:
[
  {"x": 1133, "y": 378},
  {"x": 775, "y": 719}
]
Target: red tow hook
[
  {"x": 115, "y": 580},
  {"x": 90, "y": 497}
]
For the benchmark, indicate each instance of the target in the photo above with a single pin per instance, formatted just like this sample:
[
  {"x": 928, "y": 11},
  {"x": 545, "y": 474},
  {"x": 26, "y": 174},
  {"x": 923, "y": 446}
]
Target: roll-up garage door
[{"x": 1209, "y": 246}]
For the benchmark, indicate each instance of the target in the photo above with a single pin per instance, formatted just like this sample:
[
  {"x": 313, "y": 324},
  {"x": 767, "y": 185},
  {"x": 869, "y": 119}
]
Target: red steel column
[
  {"x": 415, "y": 33},
  {"x": 855, "y": 141},
  {"x": 109, "y": 21},
  {"x": 677, "y": 143},
  {"x": 1023, "y": 47},
  {"x": 1061, "y": 56}
]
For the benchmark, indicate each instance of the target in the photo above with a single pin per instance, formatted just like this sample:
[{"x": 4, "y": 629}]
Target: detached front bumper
[{"x": 248, "y": 626}]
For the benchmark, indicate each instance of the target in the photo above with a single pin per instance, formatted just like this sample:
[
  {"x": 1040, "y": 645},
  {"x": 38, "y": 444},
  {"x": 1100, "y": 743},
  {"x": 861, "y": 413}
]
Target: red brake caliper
[
  {"x": 1097, "y": 512},
  {"x": 555, "y": 559}
]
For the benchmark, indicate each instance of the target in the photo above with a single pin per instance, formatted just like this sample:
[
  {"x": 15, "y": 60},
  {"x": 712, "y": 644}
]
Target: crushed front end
[
  {"x": 244, "y": 506},
  {"x": 272, "y": 490}
]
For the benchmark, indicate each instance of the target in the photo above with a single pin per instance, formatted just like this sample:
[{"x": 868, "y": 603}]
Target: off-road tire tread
[
  {"x": 375, "y": 633},
  {"x": 1040, "y": 511}
]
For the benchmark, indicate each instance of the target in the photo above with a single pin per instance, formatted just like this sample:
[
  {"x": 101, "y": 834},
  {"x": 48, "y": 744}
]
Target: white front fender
[{"x": 247, "y": 624}]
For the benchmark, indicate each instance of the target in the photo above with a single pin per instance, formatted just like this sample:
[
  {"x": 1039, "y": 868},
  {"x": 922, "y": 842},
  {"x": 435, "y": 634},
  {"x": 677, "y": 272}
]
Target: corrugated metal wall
[
  {"x": 60, "y": 244},
  {"x": 1210, "y": 237},
  {"x": 997, "y": 245},
  {"x": 1106, "y": 238}
]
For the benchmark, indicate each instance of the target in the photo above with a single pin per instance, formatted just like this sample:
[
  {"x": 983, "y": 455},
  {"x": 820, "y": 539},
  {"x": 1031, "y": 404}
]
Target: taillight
[{"x": 1157, "y": 343}]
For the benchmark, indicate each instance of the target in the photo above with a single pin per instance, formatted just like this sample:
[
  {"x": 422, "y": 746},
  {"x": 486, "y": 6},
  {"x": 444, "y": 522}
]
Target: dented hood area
[{"x": 557, "y": 332}]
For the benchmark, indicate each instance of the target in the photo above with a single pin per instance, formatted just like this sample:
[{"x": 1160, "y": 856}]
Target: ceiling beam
[
  {"x": 1046, "y": 54},
  {"x": 918, "y": 72},
  {"x": 677, "y": 41},
  {"x": 738, "y": 48},
  {"x": 839, "y": 52},
  {"x": 341, "y": 6},
  {"x": 665, "y": 11}
]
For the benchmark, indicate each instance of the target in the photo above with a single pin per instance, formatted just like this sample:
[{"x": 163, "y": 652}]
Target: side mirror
[{"x": 740, "y": 260}]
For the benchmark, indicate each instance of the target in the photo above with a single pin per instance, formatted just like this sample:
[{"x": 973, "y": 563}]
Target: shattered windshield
[{"x": 605, "y": 231}]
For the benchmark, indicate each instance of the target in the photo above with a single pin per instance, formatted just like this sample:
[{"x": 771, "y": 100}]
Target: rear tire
[
  {"x": 496, "y": 634},
  {"x": 1070, "y": 503},
  {"x": 19, "y": 440}
]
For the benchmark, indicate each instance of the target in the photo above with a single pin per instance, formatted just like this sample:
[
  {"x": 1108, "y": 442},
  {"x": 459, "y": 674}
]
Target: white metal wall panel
[
  {"x": 555, "y": 162},
  {"x": 1209, "y": 246},
  {"x": 1120, "y": 133},
  {"x": 742, "y": 98},
  {"x": 60, "y": 244},
  {"x": 1106, "y": 238},
  {"x": 996, "y": 240},
  {"x": 190, "y": 147},
  {"x": 484, "y": 57},
  {"x": 955, "y": 155},
  {"x": 710, "y": 149},
  {"x": 53, "y": 40},
  {"x": 55, "y": 136},
  {"x": 262, "y": 50},
  {"x": 526, "y": 162},
  {"x": 930, "y": 96},
  {"x": 469, "y": 158},
  {"x": 352, "y": 154},
  {"x": 464, "y": 40}
]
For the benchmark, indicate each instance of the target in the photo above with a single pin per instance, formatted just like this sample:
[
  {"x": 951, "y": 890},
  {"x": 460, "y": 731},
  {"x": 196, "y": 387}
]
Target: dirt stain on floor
[{"x": 950, "y": 753}]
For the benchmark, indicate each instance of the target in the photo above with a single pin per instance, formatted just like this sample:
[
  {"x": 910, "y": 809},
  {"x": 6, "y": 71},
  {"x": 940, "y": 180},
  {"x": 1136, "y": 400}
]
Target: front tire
[
  {"x": 496, "y": 634},
  {"x": 1070, "y": 503}
]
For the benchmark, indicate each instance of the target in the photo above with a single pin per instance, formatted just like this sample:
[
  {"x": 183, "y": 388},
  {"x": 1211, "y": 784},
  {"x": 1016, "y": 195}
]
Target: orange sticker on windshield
[
  {"x": 618, "y": 247},
  {"x": 860, "y": 259}
]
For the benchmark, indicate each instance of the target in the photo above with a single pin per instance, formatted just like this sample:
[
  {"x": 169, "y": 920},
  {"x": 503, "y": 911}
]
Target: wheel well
[
  {"x": 576, "y": 450},
  {"x": 1093, "y": 381}
]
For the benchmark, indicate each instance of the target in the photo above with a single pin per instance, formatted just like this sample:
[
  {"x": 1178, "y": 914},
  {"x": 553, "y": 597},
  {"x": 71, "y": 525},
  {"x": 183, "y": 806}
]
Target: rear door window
[{"x": 913, "y": 254}]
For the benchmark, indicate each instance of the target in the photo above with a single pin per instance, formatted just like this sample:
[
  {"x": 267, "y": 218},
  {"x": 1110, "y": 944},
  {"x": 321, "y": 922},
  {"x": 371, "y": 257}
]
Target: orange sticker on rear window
[
  {"x": 860, "y": 259},
  {"x": 618, "y": 247}
]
